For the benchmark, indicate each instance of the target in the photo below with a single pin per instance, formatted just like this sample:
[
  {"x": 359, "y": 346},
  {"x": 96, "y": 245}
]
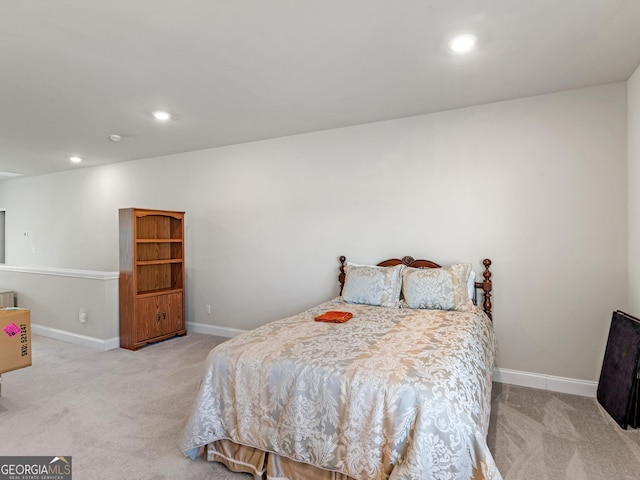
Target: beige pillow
[
  {"x": 373, "y": 285},
  {"x": 442, "y": 288}
]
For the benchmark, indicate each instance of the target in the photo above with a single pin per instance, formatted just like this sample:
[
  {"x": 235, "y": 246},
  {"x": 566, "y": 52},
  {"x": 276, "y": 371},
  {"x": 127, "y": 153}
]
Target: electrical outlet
[
  {"x": 82, "y": 316},
  {"x": 207, "y": 309}
]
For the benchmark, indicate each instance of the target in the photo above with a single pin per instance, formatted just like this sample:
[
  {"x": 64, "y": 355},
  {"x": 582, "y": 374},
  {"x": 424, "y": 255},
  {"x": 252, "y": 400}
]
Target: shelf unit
[{"x": 151, "y": 276}]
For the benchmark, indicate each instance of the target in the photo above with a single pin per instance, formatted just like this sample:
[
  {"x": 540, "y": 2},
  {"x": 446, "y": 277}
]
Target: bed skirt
[{"x": 264, "y": 465}]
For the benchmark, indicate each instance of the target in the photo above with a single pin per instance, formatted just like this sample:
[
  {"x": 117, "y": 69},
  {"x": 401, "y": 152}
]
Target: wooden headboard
[{"x": 486, "y": 285}]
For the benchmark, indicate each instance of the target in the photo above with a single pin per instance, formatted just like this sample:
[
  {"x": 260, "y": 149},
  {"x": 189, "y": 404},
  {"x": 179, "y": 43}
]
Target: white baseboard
[
  {"x": 227, "y": 332},
  {"x": 113, "y": 343},
  {"x": 546, "y": 382},
  {"x": 75, "y": 338}
]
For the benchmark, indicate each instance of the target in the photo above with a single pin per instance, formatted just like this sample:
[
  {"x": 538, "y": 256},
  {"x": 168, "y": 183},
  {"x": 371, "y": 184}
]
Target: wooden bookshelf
[{"x": 151, "y": 276}]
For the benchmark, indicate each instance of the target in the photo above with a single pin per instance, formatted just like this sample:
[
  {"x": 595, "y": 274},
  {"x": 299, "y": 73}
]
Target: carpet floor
[{"x": 120, "y": 414}]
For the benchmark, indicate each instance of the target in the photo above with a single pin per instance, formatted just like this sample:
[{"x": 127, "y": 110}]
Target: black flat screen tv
[{"x": 618, "y": 384}]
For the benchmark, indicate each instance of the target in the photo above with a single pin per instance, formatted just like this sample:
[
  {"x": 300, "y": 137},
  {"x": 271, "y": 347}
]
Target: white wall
[
  {"x": 536, "y": 184},
  {"x": 633, "y": 129}
]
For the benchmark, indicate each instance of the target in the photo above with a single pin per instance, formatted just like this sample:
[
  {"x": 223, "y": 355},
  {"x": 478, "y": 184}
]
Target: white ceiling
[{"x": 72, "y": 72}]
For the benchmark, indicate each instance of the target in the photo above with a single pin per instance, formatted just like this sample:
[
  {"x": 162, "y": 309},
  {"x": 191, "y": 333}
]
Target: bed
[{"x": 402, "y": 390}]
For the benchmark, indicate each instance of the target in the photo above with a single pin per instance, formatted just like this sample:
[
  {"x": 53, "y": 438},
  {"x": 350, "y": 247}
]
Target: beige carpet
[
  {"x": 120, "y": 415},
  {"x": 535, "y": 434}
]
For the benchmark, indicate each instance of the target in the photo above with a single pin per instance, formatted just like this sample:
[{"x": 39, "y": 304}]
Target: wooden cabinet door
[
  {"x": 159, "y": 315},
  {"x": 171, "y": 313},
  {"x": 148, "y": 318}
]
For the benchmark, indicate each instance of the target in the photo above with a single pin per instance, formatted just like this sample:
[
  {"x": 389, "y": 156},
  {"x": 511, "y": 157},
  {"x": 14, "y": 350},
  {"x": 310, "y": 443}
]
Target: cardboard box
[{"x": 15, "y": 339}]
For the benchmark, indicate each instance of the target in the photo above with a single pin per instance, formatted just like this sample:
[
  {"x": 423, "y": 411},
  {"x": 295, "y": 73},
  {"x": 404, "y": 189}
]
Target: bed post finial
[
  {"x": 342, "y": 275},
  {"x": 408, "y": 260},
  {"x": 487, "y": 286}
]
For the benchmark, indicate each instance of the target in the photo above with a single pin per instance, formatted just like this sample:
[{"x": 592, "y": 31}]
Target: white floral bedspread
[{"x": 392, "y": 393}]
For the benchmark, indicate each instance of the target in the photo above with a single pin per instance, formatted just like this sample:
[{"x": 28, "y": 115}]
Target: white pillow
[
  {"x": 373, "y": 285},
  {"x": 471, "y": 284},
  {"x": 444, "y": 288}
]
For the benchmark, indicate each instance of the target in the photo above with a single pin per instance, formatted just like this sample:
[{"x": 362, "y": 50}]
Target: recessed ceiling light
[
  {"x": 162, "y": 115},
  {"x": 75, "y": 159},
  {"x": 463, "y": 43}
]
